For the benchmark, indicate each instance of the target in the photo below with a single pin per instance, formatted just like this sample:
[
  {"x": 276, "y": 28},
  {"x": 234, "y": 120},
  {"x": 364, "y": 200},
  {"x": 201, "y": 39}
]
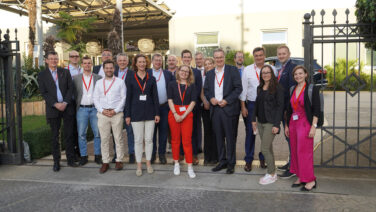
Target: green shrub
[
  {"x": 366, "y": 13},
  {"x": 340, "y": 75},
  {"x": 39, "y": 141},
  {"x": 248, "y": 58}
]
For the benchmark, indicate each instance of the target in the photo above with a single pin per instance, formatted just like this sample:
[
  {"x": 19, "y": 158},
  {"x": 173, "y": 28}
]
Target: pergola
[{"x": 137, "y": 15}]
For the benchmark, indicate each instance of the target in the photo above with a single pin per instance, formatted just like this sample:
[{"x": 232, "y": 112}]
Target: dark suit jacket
[
  {"x": 98, "y": 67},
  {"x": 232, "y": 87},
  {"x": 310, "y": 109},
  {"x": 47, "y": 88},
  {"x": 198, "y": 85},
  {"x": 273, "y": 106},
  {"x": 287, "y": 80},
  {"x": 77, "y": 87},
  {"x": 167, "y": 75}
]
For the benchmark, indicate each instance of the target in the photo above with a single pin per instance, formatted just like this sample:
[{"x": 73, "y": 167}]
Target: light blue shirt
[
  {"x": 58, "y": 92},
  {"x": 121, "y": 73},
  {"x": 161, "y": 86}
]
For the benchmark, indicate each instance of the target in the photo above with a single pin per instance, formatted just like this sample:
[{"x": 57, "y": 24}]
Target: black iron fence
[
  {"x": 348, "y": 137},
  {"x": 10, "y": 101}
]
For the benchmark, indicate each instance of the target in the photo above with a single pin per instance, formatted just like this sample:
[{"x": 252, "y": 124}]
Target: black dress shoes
[
  {"x": 83, "y": 161},
  {"x": 98, "y": 159},
  {"x": 162, "y": 159},
  {"x": 219, "y": 167},
  {"x": 132, "y": 159},
  {"x": 152, "y": 160},
  {"x": 248, "y": 167},
  {"x": 56, "y": 167},
  {"x": 230, "y": 170},
  {"x": 296, "y": 185},
  {"x": 72, "y": 164}
]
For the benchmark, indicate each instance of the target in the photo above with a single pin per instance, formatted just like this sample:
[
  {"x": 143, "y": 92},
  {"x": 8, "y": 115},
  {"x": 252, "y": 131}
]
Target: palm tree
[
  {"x": 32, "y": 8},
  {"x": 70, "y": 30}
]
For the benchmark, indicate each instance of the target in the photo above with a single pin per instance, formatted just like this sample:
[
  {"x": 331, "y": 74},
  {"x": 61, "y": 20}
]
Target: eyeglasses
[
  {"x": 74, "y": 56},
  {"x": 266, "y": 72},
  {"x": 217, "y": 58},
  {"x": 187, "y": 72}
]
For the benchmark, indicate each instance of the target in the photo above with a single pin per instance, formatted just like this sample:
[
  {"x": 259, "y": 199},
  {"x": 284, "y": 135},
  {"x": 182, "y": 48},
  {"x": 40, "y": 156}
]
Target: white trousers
[{"x": 143, "y": 130}]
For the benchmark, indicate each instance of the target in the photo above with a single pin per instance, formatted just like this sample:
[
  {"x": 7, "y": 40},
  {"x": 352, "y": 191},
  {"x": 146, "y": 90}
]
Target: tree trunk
[{"x": 32, "y": 8}]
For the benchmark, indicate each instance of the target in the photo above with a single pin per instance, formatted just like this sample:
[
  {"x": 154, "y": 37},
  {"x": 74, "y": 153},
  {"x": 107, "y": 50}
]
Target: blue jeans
[
  {"x": 162, "y": 128},
  {"x": 250, "y": 138},
  {"x": 84, "y": 115}
]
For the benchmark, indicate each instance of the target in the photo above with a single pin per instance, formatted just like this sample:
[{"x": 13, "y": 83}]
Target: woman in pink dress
[{"x": 302, "y": 117}]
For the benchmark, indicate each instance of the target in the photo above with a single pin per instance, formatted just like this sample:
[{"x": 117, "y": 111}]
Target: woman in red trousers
[
  {"x": 302, "y": 117},
  {"x": 181, "y": 101}
]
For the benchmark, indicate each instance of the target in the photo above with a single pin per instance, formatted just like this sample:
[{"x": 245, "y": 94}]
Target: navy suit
[
  {"x": 224, "y": 118},
  {"x": 197, "y": 110},
  {"x": 162, "y": 126},
  {"x": 287, "y": 80}
]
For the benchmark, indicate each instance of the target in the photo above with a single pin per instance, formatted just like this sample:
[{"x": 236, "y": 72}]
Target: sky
[{"x": 216, "y": 7}]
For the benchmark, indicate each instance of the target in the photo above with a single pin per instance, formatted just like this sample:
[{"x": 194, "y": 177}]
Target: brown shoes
[
  {"x": 118, "y": 166},
  {"x": 262, "y": 164},
  {"x": 248, "y": 167},
  {"x": 181, "y": 158},
  {"x": 104, "y": 168},
  {"x": 195, "y": 160}
]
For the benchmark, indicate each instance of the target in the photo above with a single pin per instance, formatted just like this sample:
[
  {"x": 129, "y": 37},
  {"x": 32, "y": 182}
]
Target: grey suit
[{"x": 77, "y": 87}]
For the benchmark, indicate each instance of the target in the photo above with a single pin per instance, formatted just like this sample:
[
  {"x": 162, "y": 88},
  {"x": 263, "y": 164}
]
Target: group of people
[{"x": 154, "y": 105}]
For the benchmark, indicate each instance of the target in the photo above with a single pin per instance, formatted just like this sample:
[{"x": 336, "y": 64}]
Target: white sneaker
[
  {"x": 191, "y": 173},
  {"x": 177, "y": 169},
  {"x": 268, "y": 179}
]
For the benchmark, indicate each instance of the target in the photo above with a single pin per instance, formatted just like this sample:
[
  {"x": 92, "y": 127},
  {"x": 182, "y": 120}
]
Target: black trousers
[
  {"x": 55, "y": 124},
  {"x": 224, "y": 128},
  {"x": 75, "y": 132},
  {"x": 196, "y": 132},
  {"x": 210, "y": 145}
]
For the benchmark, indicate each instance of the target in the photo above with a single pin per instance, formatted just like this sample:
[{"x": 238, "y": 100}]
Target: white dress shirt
[
  {"x": 87, "y": 95},
  {"x": 202, "y": 70},
  {"x": 250, "y": 82},
  {"x": 161, "y": 85},
  {"x": 113, "y": 99},
  {"x": 101, "y": 72},
  {"x": 218, "y": 90}
]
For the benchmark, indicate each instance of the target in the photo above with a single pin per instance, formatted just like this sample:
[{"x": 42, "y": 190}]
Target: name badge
[
  {"x": 143, "y": 97},
  {"x": 295, "y": 117},
  {"x": 182, "y": 109}
]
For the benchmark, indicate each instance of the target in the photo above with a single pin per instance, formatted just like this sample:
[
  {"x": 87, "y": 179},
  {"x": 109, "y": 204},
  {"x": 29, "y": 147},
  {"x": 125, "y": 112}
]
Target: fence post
[{"x": 307, "y": 45}]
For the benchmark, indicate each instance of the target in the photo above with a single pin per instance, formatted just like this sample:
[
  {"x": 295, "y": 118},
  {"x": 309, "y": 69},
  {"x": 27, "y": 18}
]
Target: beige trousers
[
  {"x": 105, "y": 124},
  {"x": 143, "y": 130}
]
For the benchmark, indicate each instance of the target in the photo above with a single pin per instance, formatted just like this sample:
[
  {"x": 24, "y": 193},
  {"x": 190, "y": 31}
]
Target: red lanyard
[
  {"x": 160, "y": 74},
  {"x": 139, "y": 84},
  {"x": 256, "y": 72},
  {"x": 182, "y": 98},
  {"x": 104, "y": 86},
  {"x": 56, "y": 75},
  {"x": 83, "y": 80},
  {"x": 220, "y": 83},
  {"x": 295, "y": 100},
  {"x": 280, "y": 72},
  {"x": 124, "y": 74}
]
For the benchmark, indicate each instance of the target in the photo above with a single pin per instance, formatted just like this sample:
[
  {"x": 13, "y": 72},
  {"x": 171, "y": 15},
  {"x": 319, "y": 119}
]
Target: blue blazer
[
  {"x": 198, "y": 85},
  {"x": 287, "y": 81},
  {"x": 232, "y": 87},
  {"x": 141, "y": 110}
]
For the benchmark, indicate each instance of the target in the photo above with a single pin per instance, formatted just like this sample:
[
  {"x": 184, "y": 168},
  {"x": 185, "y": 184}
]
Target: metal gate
[
  {"x": 11, "y": 151},
  {"x": 348, "y": 137}
]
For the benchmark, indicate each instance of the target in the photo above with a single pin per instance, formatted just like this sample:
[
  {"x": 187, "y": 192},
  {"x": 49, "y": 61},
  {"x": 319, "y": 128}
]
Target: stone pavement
[{"x": 36, "y": 187}]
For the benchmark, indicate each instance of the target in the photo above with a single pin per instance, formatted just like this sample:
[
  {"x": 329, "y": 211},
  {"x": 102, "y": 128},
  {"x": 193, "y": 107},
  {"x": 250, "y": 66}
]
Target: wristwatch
[{"x": 315, "y": 125}]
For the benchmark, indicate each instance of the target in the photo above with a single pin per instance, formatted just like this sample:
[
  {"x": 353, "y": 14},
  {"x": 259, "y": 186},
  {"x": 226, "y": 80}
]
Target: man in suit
[
  {"x": 83, "y": 85},
  {"x": 286, "y": 79},
  {"x": 172, "y": 64},
  {"x": 223, "y": 87},
  {"x": 239, "y": 63},
  {"x": 163, "y": 78},
  {"x": 199, "y": 61},
  {"x": 55, "y": 85},
  {"x": 106, "y": 55},
  {"x": 186, "y": 56},
  {"x": 123, "y": 72}
]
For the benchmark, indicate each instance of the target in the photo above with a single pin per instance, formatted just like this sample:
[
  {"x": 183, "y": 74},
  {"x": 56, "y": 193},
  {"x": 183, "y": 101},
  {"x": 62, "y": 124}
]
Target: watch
[{"x": 315, "y": 125}]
